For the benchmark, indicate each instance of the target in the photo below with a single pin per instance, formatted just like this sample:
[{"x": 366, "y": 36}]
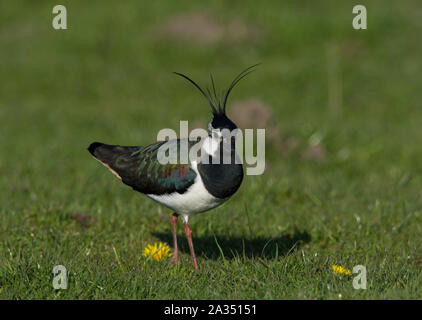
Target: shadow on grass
[{"x": 213, "y": 246}]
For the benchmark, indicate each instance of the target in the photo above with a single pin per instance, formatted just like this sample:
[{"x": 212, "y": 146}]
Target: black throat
[{"x": 222, "y": 180}]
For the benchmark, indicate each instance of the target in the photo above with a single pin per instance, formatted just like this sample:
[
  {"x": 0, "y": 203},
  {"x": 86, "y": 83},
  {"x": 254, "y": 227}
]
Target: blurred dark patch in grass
[
  {"x": 229, "y": 247},
  {"x": 204, "y": 29},
  {"x": 83, "y": 219}
]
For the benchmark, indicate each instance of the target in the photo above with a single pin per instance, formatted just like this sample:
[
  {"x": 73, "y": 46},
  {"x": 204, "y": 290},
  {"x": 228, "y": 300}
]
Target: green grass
[{"x": 108, "y": 78}]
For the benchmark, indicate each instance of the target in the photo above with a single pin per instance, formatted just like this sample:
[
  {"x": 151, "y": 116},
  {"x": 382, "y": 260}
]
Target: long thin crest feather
[
  {"x": 218, "y": 102},
  {"x": 214, "y": 110},
  {"x": 217, "y": 97},
  {"x": 239, "y": 77}
]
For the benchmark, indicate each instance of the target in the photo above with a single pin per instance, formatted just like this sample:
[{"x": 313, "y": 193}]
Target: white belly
[{"x": 195, "y": 200}]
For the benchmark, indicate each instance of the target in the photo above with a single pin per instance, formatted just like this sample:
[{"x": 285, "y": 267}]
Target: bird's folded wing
[{"x": 140, "y": 168}]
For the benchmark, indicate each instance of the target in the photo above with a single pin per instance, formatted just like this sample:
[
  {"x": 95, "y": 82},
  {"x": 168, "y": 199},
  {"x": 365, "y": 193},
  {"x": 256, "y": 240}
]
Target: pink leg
[
  {"x": 175, "y": 257},
  {"x": 188, "y": 232}
]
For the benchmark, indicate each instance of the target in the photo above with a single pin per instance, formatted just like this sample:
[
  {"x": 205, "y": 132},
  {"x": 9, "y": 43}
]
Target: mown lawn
[{"x": 343, "y": 182}]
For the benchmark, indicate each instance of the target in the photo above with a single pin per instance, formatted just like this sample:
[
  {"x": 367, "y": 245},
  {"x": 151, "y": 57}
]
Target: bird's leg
[
  {"x": 188, "y": 232},
  {"x": 175, "y": 257}
]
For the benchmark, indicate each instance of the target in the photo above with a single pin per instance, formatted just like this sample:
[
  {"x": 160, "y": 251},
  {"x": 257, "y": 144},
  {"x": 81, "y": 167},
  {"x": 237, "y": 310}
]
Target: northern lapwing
[{"x": 185, "y": 188}]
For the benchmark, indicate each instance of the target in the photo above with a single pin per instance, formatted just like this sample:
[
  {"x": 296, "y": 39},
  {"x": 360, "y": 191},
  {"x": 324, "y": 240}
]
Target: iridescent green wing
[{"x": 140, "y": 168}]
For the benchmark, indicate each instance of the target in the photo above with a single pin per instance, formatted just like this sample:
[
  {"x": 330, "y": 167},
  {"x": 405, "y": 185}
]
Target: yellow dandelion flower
[
  {"x": 157, "y": 251},
  {"x": 339, "y": 270}
]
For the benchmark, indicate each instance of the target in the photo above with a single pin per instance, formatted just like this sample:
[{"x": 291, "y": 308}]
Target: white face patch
[
  {"x": 210, "y": 127},
  {"x": 212, "y": 144},
  {"x": 220, "y": 139}
]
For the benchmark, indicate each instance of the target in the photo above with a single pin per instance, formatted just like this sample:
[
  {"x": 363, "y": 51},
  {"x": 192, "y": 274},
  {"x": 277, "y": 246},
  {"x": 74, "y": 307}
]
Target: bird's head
[{"x": 217, "y": 102}]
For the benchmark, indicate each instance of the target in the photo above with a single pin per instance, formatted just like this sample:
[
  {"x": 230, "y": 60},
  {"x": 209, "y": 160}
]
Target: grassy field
[{"x": 343, "y": 183}]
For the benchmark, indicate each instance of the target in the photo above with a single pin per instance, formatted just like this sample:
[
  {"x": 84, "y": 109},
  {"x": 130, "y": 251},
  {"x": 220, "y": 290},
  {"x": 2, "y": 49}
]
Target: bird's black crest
[{"x": 216, "y": 101}]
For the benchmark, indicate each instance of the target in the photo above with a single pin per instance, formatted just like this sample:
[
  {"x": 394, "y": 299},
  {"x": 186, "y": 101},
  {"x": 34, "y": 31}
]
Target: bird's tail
[
  {"x": 101, "y": 151},
  {"x": 108, "y": 153}
]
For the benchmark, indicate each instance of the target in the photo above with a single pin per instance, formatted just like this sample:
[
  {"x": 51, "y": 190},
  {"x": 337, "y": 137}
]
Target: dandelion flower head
[
  {"x": 157, "y": 251},
  {"x": 339, "y": 270}
]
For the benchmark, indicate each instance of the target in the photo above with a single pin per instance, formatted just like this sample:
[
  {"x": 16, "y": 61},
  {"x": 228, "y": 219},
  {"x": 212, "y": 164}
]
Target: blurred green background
[{"x": 343, "y": 116}]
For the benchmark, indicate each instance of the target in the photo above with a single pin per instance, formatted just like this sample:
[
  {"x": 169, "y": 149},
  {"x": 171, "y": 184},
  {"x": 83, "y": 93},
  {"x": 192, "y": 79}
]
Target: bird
[{"x": 184, "y": 188}]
